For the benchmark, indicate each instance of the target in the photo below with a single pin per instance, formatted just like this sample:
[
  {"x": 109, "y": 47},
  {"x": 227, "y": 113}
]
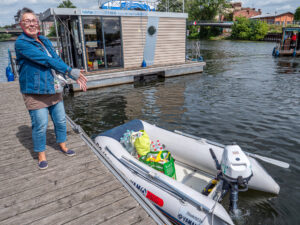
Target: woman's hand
[{"x": 81, "y": 81}]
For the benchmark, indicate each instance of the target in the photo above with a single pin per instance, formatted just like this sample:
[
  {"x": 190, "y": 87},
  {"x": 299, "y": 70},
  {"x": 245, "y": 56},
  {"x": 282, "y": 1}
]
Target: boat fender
[
  {"x": 274, "y": 50},
  {"x": 200, "y": 59},
  {"x": 144, "y": 64},
  {"x": 9, "y": 74},
  {"x": 277, "y": 53},
  {"x": 294, "y": 53}
]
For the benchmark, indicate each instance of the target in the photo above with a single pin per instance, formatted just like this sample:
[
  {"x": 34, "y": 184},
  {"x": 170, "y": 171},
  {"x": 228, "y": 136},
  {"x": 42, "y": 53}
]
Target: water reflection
[
  {"x": 98, "y": 113},
  {"x": 287, "y": 66}
]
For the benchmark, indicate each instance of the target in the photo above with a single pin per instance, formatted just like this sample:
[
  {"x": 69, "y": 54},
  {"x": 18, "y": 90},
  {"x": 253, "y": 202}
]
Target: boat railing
[{"x": 169, "y": 187}]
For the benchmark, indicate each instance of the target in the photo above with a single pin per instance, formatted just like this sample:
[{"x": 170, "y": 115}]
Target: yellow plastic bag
[{"x": 142, "y": 144}]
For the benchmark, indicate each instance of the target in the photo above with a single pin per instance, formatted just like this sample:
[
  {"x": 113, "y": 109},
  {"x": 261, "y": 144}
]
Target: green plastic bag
[
  {"x": 142, "y": 144},
  {"x": 168, "y": 168}
]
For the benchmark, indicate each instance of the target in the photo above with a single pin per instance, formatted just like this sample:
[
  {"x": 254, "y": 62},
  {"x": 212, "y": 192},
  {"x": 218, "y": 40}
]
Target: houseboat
[
  {"x": 121, "y": 46},
  {"x": 289, "y": 45}
]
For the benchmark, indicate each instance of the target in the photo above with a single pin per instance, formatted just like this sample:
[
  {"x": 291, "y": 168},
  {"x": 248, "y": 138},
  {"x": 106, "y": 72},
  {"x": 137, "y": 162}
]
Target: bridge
[
  {"x": 224, "y": 24},
  {"x": 10, "y": 31}
]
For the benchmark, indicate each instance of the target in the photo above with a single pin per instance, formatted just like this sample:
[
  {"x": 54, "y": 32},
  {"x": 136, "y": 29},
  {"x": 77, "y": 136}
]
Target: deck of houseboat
[{"x": 110, "y": 77}]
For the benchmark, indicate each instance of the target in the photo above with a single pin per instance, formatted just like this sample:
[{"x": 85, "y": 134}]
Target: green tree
[
  {"x": 259, "y": 29},
  {"x": 52, "y": 32},
  {"x": 297, "y": 14},
  {"x": 205, "y": 9},
  {"x": 241, "y": 29},
  {"x": 5, "y": 37},
  {"x": 245, "y": 29},
  {"x": 66, "y": 4},
  {"x": 169, "y": 5}
]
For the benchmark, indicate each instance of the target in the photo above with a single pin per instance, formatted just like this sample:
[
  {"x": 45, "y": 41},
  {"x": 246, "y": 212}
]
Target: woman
[
  {"x": 293, "y": 40},
  {"x": 38, "y": 63}
]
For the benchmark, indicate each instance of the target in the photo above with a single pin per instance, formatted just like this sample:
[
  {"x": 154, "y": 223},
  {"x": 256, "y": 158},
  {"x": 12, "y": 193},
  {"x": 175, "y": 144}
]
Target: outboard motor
[{"x": 235, "y": 172}]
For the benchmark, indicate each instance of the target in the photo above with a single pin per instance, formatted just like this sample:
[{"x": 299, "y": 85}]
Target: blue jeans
[{"x": 39, "y": 121}]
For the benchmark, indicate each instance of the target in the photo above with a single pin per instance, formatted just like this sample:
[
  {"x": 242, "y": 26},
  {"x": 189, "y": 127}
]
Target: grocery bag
[
  {"x": 161, "y": 161},
  {"x": 142, "y": 143}
]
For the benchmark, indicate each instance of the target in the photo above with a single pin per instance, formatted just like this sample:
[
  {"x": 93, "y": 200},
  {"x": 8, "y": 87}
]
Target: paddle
[{"x": 263, "y": 158}]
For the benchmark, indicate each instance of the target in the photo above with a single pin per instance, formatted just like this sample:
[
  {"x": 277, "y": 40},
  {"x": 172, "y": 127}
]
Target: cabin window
[
  {"x": 151, "y": 30},
  {"x": 94, "y": 45},
  {"x": 103, "y": 42},
  {"x": 112, "y": 37}
]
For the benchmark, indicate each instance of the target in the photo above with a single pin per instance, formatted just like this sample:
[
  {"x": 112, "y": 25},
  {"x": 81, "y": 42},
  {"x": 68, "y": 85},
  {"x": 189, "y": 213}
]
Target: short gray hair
[{"x": 23, "y": 11}]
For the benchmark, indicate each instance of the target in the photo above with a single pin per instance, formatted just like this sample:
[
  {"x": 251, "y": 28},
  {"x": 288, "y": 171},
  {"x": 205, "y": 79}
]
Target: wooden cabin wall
[
  {"x": 170, "y": 44},
  {"x": 134, "y": 36}
]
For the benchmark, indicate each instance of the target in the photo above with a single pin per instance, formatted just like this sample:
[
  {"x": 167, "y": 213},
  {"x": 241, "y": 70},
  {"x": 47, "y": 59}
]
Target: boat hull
[
  {"x": 175, "y": 208},
  {"x": 184, "y": 205}
]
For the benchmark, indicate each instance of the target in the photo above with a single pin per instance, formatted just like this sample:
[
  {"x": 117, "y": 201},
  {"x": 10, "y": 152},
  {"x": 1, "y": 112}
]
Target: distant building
[
  {"x": 236, "y": 10},
  {"x": 279, "y": 19},
  {"x": 246, "y": 12}
]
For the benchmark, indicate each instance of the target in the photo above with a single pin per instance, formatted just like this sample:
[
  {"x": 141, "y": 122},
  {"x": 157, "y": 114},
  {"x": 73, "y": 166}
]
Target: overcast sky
[{"x": 10, "y": 7}]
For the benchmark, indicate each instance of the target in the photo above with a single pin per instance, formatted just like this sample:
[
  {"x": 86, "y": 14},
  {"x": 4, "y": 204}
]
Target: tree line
[{"x": 243, "y": 28}]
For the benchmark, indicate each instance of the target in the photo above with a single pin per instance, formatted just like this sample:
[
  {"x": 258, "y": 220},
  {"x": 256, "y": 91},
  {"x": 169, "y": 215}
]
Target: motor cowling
[
  {"x": 235, "y": 165},
  {"x": 235, "y": 171}
]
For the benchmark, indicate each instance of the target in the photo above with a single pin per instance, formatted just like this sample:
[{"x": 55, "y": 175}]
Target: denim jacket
[{"x": 35, "y": 76}]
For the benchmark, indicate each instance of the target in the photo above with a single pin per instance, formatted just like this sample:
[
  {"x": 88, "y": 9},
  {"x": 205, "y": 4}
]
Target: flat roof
[
  {"x": 49, "y": 13},
  {"x": 291, "y": 29}
]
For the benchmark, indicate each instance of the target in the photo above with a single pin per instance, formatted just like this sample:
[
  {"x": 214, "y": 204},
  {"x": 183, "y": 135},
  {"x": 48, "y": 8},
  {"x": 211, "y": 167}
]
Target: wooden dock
[{"x": 73, "y": 190}]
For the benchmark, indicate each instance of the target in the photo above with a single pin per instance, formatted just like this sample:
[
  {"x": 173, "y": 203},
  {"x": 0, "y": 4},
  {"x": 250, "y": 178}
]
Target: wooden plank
[
  {"x": 145, "y": 221},
  {"x": 54, "y": 161},
  {"x": 63, "y": 203},
  {"x": 25, "y": 146},
  {"x": 45, "y": 177},
  {"x": 133, "y": 216},
  {"x": 16, "y": 147},
  {"x": 105, "y": 213},
  {"x": 9, "y": 201},
  {"x": 84, "y": 209},
  {"x": 51, "y": 153},
  {"x": 59, "y": 193}
]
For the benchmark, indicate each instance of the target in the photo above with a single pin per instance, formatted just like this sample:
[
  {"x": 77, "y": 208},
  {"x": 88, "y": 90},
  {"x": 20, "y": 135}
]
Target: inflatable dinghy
[{"x": 205, "y": 172}]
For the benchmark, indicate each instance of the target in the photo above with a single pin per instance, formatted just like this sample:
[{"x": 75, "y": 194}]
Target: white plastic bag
[{"x": 59, "y": 83}]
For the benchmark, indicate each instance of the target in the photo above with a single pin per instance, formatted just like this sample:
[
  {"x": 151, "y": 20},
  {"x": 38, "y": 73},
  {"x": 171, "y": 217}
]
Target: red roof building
[
  {"x": 246, "y": 12},
  {"x": 236, "y": 10},
  {"x": 279, "y": 19}
]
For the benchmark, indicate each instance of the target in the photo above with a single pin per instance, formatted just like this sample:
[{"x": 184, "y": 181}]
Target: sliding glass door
[
  {"x": 112, "y": 36},
  {"x": 103, "y": 42},
  {"x": 94, "y": 42}
]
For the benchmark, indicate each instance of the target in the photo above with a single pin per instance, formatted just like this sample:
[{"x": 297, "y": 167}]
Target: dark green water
[{"x": 244, "y": 96}]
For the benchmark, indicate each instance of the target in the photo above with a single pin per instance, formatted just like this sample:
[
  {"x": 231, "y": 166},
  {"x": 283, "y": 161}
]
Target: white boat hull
[{"x": 189, "y": 206}]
